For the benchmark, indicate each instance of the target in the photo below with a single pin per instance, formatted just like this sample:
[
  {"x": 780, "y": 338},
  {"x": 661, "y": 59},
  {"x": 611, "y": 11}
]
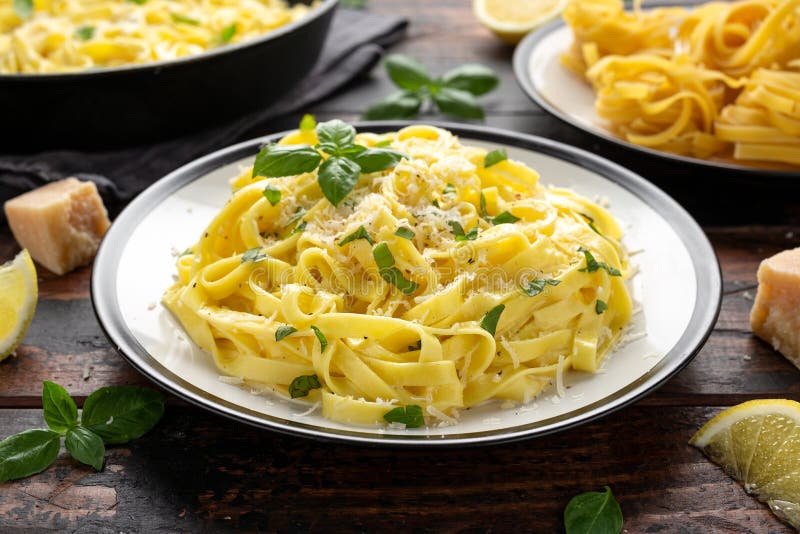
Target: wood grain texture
[{"x": 199, "y": 472}]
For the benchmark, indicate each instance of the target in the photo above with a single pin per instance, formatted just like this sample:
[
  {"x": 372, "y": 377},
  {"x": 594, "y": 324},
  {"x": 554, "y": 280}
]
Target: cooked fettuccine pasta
[
  {"x": 713, "y": 81},
  {"x": 438, "y": 284},
  {"x": 43, "y": 36}
]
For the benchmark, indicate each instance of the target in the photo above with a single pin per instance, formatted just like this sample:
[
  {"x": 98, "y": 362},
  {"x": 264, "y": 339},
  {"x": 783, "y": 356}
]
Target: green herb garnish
[
  {"x": 84, "y": 33},
  {"x": 183, "y": 19},
  {"x": 299, "y": 228},
  {"x": 302, "y": 385},
  {"x": 308, "y": 123},
  {"x": 449, "y": 189},
  {"x": 323, "y": 342},
  {"x": 537, "y": 285},
  {"x": 337, "y": 175},
  {"x": 385, "y": 261},
  {"x": 458, "y": 231},
  {"x": 254, "y": 254},
  {"x": 359, "y": 233},
  {"x": 384, "y": 143},
  {"x": 494, "y": 157},
  {"x": 226, "y": 34},
  {"x": 503, "y": 218},
  {"x": 590, "y": 222},
  {"x": 592, "y": 265},
  {"x": 489, "y": 321},
  {"x": 113, "y": 414},
  {"x": 593, "y": 512},
  {"x": 600, "y": 306},
  {"x": 284, "y": 331},
  {"x": 273, "y": 194},
  {"x": 405, "y": 233},
  {"x": 415, "y": 346},
  {"x": 453, "y": 93},
  {"x": 23, "y": 8},
  {"x": 411, "y": 416}
]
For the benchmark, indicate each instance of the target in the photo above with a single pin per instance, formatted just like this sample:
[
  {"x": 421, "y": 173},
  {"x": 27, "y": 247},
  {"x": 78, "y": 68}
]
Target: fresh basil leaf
[
  {"x": 383, "y": 144},
  {"x": 383, "y": 256},
  {"x": 60, "y": 411},
  {"x": 456, "y": 228},
  {"x": 84, "y": 33},
  {"x": 399, "y": 105},
  {"x": 138, "y": 2},
  {"x": 592, "y": 265},
  {"x": 489, "y": 321},
  {"x": 536, "y": 286},
  {"x": 323, "y": 341},
  {"x": 394, "y": 276},
  {"x": 255, "y": 255},
  {"x": 23, "y": 8},
  {"x": 504, "y": 218},
  {"x": 119, "y": 414},
  {"x": 302, "y": 385},
  {"x": 308, "y": 123},
  {"x": 275, "y": 161},
  {"x": 337, "y": 177},
  {"x": 336, "y": 133},
  {"x": 458, "y": 231},
  {"x": 483, "y": 206},
  {"x": 405, "y": 233},
  {"x": 272, "y": 194},
  {"x": 183, "y": 19},
  {"x": 406, "y": 72},
  {"x": 600, "y": 306},
  {"x": 472, "y": 77},
  {"x": 28, "y": 453},
  {"x": 449, "y": 189},
  {"x": 457, "y": 102},
  {"x": 494, "y": 157},
  {"x": 227, "y": 33},
  {"x": 593, "y": 512},
  {"x": 86, "y": 446},
  {"x": 377, "y": 159},
  {"x": 359, "y": 233},
  {"x": 411, "y": 416},
  {"x": 284, "y": 331}
]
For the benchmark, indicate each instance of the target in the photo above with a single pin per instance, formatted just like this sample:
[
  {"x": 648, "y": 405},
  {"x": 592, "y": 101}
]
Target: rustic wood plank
[{"x": 233, "y": 475}]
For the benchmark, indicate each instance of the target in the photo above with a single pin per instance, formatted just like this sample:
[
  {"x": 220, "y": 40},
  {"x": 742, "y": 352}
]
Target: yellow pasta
[
  {"x": 279, "y": 292},
  {"x": 714, "y": 81},
  {"x": 73, "y": 35}
]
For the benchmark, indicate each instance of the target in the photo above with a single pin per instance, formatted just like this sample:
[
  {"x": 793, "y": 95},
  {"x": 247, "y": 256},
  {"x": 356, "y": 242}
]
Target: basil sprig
[
  {"x": 339, "y": 173},
  {"x": 593, "y": 512},
  {"x": 411, "y": 416},
  {"x": 454, "y": 93},
  {"x": 113, "y": 414}
]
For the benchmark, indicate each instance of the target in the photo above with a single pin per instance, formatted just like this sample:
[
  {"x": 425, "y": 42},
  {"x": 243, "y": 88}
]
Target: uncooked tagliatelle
[{"x": 449, "y": 279}]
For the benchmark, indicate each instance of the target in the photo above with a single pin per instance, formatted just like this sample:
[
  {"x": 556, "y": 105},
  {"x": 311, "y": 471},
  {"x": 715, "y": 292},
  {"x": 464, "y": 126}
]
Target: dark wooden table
[{"x": 197, "y": 471}]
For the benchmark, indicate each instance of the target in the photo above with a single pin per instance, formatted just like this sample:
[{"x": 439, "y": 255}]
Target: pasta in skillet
[
  {"x": 72, "y": 35},
  {"x": 437, "y": 284}
]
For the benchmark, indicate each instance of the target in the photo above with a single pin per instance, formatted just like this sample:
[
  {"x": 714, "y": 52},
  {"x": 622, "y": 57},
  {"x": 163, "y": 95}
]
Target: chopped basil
[
  {"x": 177, "y": 17},
  {"x": 391, "y": 274},
  {"x": 23, "y": 8},
  {"x": 458, "y": 231},
  {"x": 411, "y": 416},
  {"x": 273, "y": 194},
  {"x": 590, "y": 222},
  {"x": 494, "y": 157},
  {"x": 405, "y": 233},
  {"x": 308, "y": 123},
  {"x": 187, "y": 252},
  {"x": 227, "y": 33},
  {"x": 504, "y": 218},
  {"x": 600, "y": 306},
  {"x": 383, "y": 144},
  {"x": 435, "y": 202},
  {"x": 299, "y": 228},
  {"x": 483, "y": 206},
  {"x": 254, "y": 255},
  {"x": 383, "y": 256},
  {"x": 284, "y": 331},
  {"x": 84, "y": 33},
  {"x": 592, "y": 265},
  {"x": 139, "y": 2},
  {"x": 359, "y": 233},
  {"x": 489, "y": 321},
  {"x": 323, "y": 342},
  {"x": 537, "y": 285},
  {"x": 298, "y": 214},
  {"x": 449, "y": 189},
  {"x": 302, "y": 385}
]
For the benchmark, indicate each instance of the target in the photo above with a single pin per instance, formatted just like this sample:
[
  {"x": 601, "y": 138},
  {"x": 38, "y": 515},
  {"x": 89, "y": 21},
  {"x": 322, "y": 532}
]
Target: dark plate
[
  {"x": 142, "y": 103},
  {"x": 105, "y": 297}
]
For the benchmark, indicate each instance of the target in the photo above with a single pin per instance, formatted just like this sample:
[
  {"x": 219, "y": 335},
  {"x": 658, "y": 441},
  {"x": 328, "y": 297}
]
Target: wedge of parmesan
[
  {"x": 60, "y": 224},
  {"x": 775, "y": 316}
]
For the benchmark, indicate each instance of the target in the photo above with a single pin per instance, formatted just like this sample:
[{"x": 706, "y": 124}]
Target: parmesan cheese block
[
  {"x": 775, "y": 316},
  {"x": 60, "y": 224}
]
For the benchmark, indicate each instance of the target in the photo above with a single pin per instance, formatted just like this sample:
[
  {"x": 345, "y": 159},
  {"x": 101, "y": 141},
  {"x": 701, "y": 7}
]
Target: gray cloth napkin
[{"x": 354, "y": 45}]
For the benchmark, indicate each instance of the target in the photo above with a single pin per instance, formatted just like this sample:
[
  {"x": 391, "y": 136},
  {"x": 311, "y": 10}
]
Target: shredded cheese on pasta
[
  {"x": 74, "y": 35},
  {"x": 386, "y": 348}
]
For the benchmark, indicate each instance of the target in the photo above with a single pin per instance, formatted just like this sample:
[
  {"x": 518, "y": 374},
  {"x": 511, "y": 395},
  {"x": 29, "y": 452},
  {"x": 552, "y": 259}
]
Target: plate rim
[
  {"x": 520, "y": 63},
  {"x": 708, "y": 295}
]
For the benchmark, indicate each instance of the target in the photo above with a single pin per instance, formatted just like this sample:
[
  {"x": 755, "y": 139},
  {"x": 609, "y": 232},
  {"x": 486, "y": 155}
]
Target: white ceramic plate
[
  {"x": 562, "y": 93},
  {"x": 678, "y": 288}
]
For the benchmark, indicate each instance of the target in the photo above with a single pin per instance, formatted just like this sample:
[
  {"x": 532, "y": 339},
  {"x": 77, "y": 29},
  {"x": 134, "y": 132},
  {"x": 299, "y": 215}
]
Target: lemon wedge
[
  {"x": 511, "y": 20},
  {"x": 18, "y": 293},
  {"x": 758, "y": 444}
]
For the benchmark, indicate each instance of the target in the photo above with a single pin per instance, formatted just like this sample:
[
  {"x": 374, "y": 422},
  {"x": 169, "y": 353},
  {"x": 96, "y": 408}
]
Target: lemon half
[
  {"x": 758, "y": 444},
  {"x": 511, "y": 20},
  {"x": 18, "y": 293}
]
